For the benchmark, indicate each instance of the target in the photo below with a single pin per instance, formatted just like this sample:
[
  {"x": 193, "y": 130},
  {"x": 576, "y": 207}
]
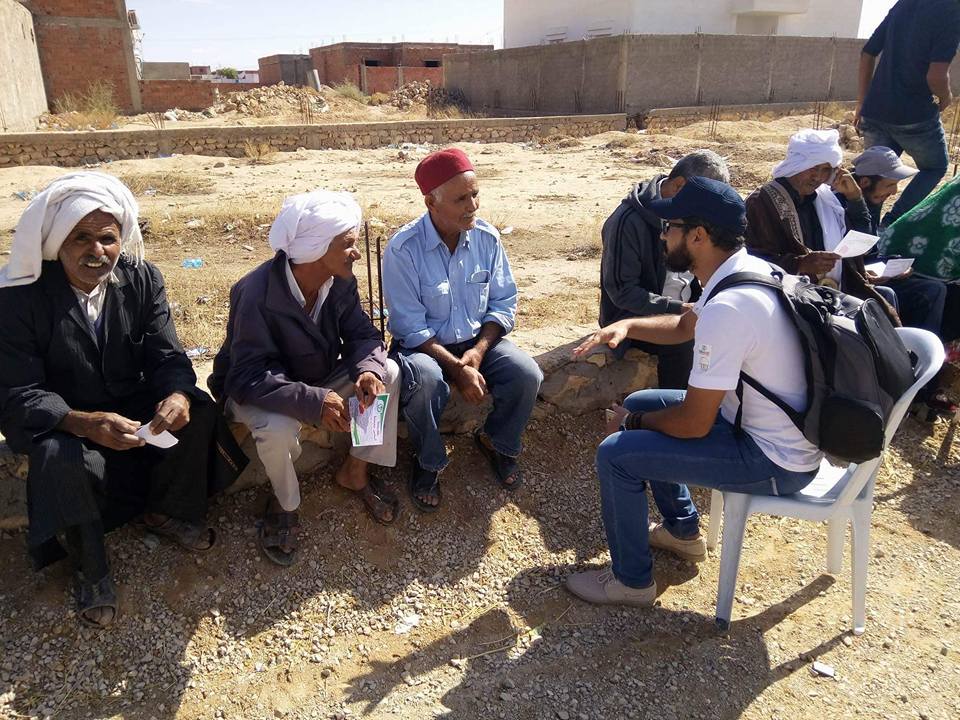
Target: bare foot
[{"x": 352, "y": 475}]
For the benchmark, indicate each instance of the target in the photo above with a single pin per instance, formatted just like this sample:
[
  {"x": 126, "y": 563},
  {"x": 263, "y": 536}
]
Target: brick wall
[
  {"x": 82, "y": 41},
  {"x": 341, "y": 62},
  {"x": 161, "y": 95},
  {"x": 386, "y": 79},
  {"x": 74, "y": 8}
]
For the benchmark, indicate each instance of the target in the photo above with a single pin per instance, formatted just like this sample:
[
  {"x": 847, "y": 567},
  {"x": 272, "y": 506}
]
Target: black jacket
[
  {"x": 51, "y": 362},
  {"x": 632, "y": 270}
]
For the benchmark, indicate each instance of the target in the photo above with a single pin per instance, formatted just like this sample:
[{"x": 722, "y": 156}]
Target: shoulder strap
[
  {"x": 770, "y": 281},
  {"x": 745, "y": 278}
]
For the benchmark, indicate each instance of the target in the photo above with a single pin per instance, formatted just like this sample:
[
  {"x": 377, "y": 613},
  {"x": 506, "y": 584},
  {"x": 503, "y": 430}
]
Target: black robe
[{"x": 52, "y": 361}]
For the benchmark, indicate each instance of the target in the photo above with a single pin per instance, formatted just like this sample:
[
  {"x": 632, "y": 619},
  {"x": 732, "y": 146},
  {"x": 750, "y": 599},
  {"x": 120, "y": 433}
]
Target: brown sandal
[{"x": 375, "y": 494}]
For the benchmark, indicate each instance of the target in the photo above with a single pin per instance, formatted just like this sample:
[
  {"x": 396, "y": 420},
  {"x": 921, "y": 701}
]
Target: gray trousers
[{"x": 278, "y": 436}]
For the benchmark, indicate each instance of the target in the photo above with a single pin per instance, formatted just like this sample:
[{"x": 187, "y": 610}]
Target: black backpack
[{"x": 856, "y": 365}]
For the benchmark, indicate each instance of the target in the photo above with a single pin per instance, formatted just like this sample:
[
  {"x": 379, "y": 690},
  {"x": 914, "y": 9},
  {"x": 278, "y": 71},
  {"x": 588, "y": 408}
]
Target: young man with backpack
[{"x": 668, "y": 438}]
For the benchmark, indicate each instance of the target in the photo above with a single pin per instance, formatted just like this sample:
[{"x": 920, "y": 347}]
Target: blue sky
[{"x": 237, "y": 32}]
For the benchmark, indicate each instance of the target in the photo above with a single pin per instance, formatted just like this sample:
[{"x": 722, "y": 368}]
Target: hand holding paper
[
  {"x": 164, "y": 440},
  {"x": 366, "y": 428},
  {"x": 855, "y": 244}
]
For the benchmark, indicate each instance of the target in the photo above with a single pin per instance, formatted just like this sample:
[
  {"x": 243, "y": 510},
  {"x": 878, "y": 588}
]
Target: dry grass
[
  {"x": 352, "y": 92},
  {"x": 168, "y": 183},
  {"x": 624, "y": 140},
  {"x": 94, "y": 107},
  {"x": 257, "y": 152},
  {"x": 565, "y": 308},
  {"x": 558, "y": 142},
  {"x": 232, "y": 240}
]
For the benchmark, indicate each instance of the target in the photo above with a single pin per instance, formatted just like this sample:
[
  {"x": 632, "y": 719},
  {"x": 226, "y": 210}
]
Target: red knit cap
[{"x": 436, "y": 168}]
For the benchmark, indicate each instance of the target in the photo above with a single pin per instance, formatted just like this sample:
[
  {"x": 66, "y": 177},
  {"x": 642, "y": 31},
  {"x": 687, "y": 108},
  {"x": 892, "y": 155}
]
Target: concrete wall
[
  {"x": 22, "y": 96},
  {"x": 166, "y": 71},
  {"x": 540, "y": 22},
  {"x": 635, "y": 73},
  {"x": 83, "y": 41},
  {"x": 76, "y": 148},
  {"x": 288, "y": 69}
]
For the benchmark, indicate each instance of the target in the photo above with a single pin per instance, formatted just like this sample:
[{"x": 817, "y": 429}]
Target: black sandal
[
  {"x": 92, "y": 596},
  {"x": 503, "y": 466},
  {"x": 195, "y": 537},
  {"x": 380, "y": 494},
  {"x": 278, "y": 530},
  {"x": 424, "y": 482}
]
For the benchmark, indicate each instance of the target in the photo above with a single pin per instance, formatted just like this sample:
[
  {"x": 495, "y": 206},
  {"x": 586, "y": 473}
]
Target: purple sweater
[{"x": 276, "y": 358}]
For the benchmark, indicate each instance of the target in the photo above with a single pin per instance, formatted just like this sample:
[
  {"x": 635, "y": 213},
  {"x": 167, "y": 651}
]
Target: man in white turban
[
  {"x": 298, "y": 346},
  {"x": 798, "y": 219},
  {"x": 91, "y": 371}
]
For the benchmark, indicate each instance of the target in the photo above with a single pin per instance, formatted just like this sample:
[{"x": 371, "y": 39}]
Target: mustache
[{"x": 94, "y": 259}]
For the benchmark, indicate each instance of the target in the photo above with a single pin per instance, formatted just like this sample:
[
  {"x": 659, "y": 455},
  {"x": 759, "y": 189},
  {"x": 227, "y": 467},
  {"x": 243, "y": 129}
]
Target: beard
[{"x": 678, "y": 259}]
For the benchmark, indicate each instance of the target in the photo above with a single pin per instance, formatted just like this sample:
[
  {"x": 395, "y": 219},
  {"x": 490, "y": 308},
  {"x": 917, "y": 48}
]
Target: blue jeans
[
  {"x": 925, "y": 142},
  {"x": 513, "y": 379},
  {"x": 627, "y": 461}
]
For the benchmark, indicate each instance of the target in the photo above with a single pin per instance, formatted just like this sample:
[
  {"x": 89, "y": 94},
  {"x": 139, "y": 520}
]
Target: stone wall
[
  {"x": 569, "y": 386},
  {"x": 22, "y": 95},
  {"x": 89, "y": 147}
]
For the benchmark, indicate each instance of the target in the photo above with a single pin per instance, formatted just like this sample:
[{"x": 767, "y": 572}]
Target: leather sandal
[
  {"x": 277, "y": 535},
  {"x": 93, "y": 596}
]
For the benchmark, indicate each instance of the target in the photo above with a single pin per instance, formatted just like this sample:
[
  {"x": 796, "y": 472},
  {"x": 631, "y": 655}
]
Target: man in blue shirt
[
  {"x": 899, "y": 106},
  {"x": 451, "y": 298}
]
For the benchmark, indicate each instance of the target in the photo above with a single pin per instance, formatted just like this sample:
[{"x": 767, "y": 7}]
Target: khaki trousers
[{"x": 278, "y": 436}]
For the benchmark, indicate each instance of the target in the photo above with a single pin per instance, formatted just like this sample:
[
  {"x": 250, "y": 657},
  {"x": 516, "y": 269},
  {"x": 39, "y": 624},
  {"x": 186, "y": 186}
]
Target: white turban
[
  {"x": 809, "y": 148},
  {"x": 53, "y": 214},
  {"x": 309, "y": 222}
]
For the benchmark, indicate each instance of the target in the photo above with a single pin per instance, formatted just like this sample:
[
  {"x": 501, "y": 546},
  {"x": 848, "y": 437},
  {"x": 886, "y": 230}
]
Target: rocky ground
[{"x": 462, "y": 614}]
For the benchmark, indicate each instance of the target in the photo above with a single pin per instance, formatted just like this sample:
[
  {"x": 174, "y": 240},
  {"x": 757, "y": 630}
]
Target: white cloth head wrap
[
  {"x": 309, "y": 222},
  {"x": 809, "y": 148},
  {"x": 53, "y": 214}
]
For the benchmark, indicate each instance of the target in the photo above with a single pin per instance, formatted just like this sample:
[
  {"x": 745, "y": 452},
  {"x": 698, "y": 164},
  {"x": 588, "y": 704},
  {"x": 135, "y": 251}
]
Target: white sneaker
[
  {"x": 694, "y": 549},
  {"x": 602, "y": 588}
]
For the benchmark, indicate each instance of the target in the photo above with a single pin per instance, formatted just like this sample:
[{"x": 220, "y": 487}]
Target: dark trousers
[
  {"x": 674, "y": 362},
  {"x": 73, "y": 482}
]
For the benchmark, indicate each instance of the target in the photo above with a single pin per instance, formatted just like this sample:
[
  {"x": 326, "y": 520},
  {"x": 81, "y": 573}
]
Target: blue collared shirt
[{"x": 431, "y": 292}]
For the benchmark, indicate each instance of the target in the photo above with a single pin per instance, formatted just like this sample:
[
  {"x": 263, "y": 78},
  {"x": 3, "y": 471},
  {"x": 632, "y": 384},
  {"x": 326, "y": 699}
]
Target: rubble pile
[
  {"x": 277, "y": 99},
  {"x": 421, "y": 92}
]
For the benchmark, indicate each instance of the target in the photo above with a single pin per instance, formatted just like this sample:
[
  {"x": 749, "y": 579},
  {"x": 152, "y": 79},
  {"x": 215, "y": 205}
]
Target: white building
[{"x": 540, "y": 22}]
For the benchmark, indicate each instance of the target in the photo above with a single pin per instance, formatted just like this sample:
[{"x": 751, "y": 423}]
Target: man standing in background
[{"x": 899, "y": 105}]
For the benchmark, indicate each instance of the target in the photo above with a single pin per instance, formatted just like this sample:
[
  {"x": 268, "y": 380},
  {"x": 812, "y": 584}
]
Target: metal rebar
[
  {"x": 366, "y": 242},
  {"x": 383, "y": 332}
]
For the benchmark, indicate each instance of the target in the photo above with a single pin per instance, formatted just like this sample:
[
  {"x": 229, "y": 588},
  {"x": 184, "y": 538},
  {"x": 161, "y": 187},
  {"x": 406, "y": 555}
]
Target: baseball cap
[
  {"x": 711, "y": 200},
  {"x": 882, "y": 161}
]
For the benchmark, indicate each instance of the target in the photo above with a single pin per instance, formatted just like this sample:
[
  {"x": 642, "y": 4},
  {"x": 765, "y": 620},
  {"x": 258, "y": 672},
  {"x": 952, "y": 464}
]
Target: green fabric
[{"x": 930, "y": 233}]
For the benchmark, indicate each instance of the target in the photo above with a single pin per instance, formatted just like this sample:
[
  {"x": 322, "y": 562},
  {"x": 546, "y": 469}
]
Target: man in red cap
[{"x": 451, "y": 298}]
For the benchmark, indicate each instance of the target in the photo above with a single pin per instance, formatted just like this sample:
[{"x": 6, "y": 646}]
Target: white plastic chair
[{"x": 837, "y": 496}]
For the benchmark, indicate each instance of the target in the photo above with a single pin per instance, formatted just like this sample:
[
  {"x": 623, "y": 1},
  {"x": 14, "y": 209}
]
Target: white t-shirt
[{"x": 745, "y": 329}]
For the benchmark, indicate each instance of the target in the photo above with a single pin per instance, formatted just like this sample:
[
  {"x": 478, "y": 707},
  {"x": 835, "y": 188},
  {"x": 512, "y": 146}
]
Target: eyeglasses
[{"x": 666, "y": 225}]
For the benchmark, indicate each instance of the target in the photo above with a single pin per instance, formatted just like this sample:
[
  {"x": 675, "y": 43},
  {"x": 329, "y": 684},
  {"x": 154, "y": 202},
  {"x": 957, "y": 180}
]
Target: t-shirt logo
[{"x": 703, "y": 356}]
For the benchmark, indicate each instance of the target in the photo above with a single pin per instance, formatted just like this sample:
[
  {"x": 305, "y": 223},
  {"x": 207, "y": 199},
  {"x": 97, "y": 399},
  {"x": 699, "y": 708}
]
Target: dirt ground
[{"x": 462, "y": 614}]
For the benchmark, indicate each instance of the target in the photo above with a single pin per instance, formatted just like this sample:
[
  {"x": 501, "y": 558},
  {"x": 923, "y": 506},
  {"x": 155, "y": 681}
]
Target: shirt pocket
[
  {"x": 478, "y": 293},
  {"x": 436, "y": 299}
]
